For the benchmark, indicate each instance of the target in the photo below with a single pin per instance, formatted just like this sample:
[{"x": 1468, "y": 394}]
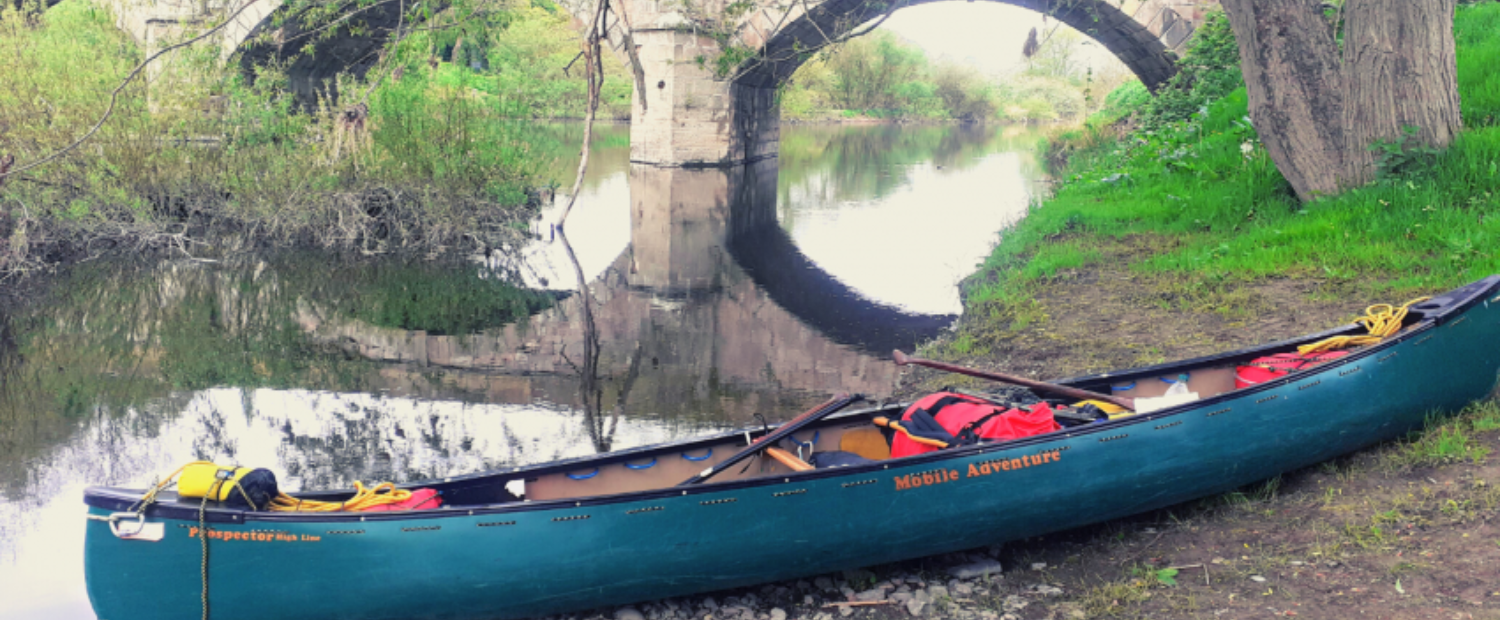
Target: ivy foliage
[{"x": 1209, "y": 70}]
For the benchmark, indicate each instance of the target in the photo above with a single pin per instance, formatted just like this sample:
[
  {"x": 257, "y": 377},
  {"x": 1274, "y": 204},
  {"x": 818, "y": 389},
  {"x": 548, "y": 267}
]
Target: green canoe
[{"x": 618, "y": 528}]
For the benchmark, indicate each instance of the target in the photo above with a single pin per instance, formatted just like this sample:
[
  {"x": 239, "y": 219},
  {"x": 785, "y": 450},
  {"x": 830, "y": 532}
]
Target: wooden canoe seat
[
  {"x": 867, "y": 442},
  {"x": 788, "y": 459}
]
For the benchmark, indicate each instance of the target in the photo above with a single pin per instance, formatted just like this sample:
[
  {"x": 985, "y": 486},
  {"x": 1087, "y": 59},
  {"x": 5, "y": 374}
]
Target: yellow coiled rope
[
  {"x": 364, "y": 497},
  {"x": 380, "y": 494},
  {"x": 1383, "y": 321}
]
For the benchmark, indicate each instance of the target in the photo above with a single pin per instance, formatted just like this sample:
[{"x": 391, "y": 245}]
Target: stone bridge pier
[{"x": 688, "y": 116}]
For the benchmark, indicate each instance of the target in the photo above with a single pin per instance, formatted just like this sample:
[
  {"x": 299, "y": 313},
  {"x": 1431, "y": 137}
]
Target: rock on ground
[{"x": 975, "y": 570}]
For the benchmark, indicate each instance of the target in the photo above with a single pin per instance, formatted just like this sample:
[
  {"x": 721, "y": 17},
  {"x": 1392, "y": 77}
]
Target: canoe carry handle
[
  {"x": 805, "y": 444},
  {"x": 819, "y": 412},
  {"x": 699, "y": 458},
  {"x": 647, "y": 465},
  {"x": 903, "y": 359},
  {"x": 585, "y": 476}
]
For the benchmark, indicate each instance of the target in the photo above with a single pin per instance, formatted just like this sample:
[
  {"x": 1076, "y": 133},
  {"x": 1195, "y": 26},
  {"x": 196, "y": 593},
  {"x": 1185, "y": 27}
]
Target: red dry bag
[
  {"x": 421, "y": 499},
  {"x": 968, "y": 419},
  {"x": 1263, "y": 369}
]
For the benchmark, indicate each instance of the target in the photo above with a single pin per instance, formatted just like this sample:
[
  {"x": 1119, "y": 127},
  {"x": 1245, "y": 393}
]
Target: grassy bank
[
  {"x": 438, "y": 161},
  {"x": 1219, "y": 215}
]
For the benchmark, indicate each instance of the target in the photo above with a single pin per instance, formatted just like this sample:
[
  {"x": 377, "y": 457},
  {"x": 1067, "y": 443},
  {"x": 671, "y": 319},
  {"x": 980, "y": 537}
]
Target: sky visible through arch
[{"x": 986, "y": 35}]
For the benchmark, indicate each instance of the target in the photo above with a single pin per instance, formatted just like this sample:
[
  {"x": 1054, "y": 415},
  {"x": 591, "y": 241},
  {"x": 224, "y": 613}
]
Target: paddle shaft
[
  {"x": 803, "y": 416},
  {"x": 903, "y": 359},
  {"x": 824, "y": 410}
]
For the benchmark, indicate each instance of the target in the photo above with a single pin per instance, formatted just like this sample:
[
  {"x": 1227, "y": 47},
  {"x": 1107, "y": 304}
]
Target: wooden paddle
[
  {"x": 835, "y": 404},
  {"x": 903, "y": 359}
]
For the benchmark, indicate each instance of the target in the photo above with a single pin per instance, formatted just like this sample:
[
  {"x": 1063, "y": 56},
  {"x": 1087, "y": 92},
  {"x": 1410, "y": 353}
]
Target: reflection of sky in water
[
  {"x": 908, "y": 247},
  {"x": 598, "y": 227},
  {"x": 41, "y": 551},
  {"x": 911, "y": 247}
]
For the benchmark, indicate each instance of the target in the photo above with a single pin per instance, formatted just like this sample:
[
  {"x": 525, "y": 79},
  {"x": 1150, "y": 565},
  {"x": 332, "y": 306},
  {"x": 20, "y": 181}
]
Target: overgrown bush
[
  {"x": 1209, "y": 70},
  {"x": 965, "y": 93},
  {"x": 1121, "y": 103},
  {"x": 431, "y": 161}
]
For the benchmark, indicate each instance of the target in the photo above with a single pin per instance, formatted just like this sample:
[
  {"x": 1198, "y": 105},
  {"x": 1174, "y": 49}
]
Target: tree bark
[
  {"x": 1400, "y": 68},
  {"x": 1291, "y": 68},
  {"x": 1318, "y": 116}
]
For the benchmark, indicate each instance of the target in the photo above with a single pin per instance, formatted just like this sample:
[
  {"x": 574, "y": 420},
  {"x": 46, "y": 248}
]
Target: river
[{"x": 718, "y": 296}]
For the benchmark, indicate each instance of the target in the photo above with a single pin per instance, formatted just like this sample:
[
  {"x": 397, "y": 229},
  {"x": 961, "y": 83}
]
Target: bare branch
[
  {"x": 635, "y": 59},
  {"x": 595, "y": 74},
  {"x": 570, "y": 64}
]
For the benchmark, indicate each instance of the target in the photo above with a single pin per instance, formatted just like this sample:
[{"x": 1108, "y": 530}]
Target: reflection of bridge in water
[{"x": 710, "y": 293}]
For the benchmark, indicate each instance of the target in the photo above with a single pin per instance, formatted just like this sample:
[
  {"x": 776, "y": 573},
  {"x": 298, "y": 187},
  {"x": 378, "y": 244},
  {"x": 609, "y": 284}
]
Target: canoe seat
[
  {"x": 867, "y": 442},
  {"x": 788, "y": 459}
]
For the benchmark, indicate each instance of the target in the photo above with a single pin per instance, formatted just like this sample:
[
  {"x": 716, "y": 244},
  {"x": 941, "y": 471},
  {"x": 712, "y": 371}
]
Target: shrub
[{"x": 1209, "y": 70}]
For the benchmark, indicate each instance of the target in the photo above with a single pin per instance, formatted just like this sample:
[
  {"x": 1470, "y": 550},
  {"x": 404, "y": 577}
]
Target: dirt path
[{"x": 1108, "y": 317}]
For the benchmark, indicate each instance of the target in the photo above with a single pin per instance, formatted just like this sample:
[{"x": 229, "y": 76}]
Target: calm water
[{"x": 718, "y": 295}]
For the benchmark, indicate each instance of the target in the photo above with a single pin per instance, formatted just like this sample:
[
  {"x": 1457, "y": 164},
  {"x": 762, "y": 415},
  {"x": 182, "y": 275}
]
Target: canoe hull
[{"x": 559, "y": 556}]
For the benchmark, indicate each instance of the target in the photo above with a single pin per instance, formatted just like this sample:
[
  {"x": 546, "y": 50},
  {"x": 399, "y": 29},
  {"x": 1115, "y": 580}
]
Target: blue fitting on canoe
[
  {"x": 640, "y": 467},
  {"x": 805, "y": 444},
  {"x": 1122, "y": 388},
  {"x": 1182, "y": 378},
  {"x": 584, "y": 476},
  {"x": 699, "y": 458}
]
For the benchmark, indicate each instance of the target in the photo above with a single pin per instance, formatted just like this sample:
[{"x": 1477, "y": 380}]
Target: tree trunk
[
  {"x": 1399, "y": 67},
  {"x": 1291, "y": 68},
  {"x": 1317, "y": 116}
]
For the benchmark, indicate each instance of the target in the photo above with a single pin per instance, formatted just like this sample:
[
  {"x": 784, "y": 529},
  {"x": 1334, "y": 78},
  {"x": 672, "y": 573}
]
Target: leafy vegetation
[
  {"x": 1206, "y": 182},
  {"x": 434, "y": 159},
  {"x": 516, "y": 66},
  {"x": 1209, "y": 70}
]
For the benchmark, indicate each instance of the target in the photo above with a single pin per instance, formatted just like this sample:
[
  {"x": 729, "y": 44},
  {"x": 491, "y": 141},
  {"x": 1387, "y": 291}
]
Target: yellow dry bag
[{"x": 235, "y": 485}]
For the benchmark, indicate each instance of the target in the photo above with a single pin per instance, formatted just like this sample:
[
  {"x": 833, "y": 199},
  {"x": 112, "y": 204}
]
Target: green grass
[
  {"x": 1478, "y": 56},
  {"x": 1449, "y": 439},
  {"x": 1233, "y": 218}
]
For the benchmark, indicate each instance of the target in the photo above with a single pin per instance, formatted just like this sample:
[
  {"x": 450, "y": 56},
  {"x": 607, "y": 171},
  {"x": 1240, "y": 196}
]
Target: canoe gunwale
[{"x": 1454, "y": 303}]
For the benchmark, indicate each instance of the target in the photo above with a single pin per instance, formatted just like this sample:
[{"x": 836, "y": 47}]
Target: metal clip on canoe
[{"x": 141, "y": 530}]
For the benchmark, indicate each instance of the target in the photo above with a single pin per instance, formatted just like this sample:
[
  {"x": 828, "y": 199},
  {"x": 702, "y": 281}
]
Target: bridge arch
[
  {"x": 354, "y": 49},
  {"x": 782, "y": 49}
]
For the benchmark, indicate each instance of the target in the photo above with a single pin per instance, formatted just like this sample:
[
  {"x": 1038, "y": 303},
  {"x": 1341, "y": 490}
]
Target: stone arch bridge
[{"x": 690, "y": 114}]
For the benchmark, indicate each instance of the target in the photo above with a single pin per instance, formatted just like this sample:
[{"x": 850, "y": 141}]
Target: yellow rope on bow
[
  {"x": 383, "y": 493},
  {"x": 1383, "y": 321}
]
